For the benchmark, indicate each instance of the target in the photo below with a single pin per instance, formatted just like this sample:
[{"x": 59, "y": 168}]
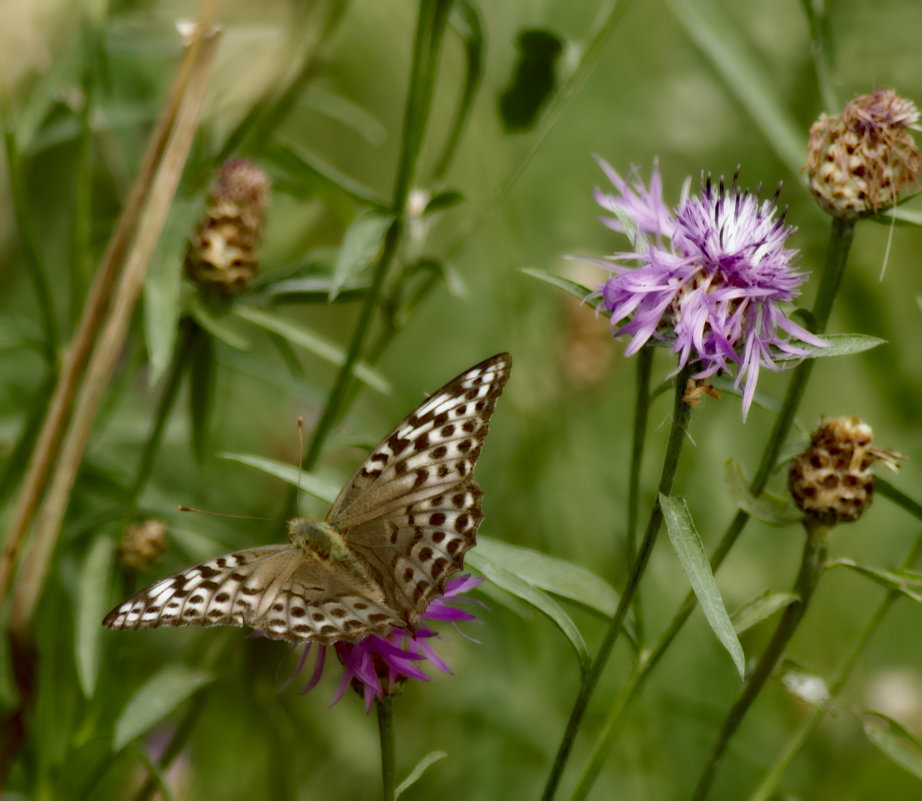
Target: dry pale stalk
[
  {"x": 112, "y": 337},
  {"x": 74, "y": 364}
]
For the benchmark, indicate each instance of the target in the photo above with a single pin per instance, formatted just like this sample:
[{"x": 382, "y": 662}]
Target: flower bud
[
  {"x": 142, "y": 544},
  {"x": 831, "y": 480},
  {"x": 223, "y": 253},
  {"x": 859, "y": 161}
]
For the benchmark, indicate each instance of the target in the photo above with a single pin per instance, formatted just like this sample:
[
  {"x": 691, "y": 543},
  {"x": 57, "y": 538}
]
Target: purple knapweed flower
[
  {"x": 377, "y": 665},
  {"x": 712, "y": 279}
]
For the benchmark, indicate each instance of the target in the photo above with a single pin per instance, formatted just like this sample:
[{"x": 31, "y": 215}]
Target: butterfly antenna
[
  {"x": 300, "y": 461},
  {"x": 232, "y": 517}
]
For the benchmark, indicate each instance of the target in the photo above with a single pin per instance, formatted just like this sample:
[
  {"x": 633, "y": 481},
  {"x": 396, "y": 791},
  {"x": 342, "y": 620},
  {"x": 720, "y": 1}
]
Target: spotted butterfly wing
[{"x": 397, "y": 531}]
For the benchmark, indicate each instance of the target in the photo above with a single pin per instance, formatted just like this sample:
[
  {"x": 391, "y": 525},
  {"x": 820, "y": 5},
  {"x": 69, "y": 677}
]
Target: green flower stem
[
  {"x": 840, "y": 240},
  {"x": 32, "y": 249},
  {"x": 188, "y": 337},
  {"x": 677, "y": 434},
  {"x": 385, "y": 710},
  {"x": 433, "y": 15},
  {"x": 811, "y": 568},
  {"x": 766, "y": 788},
  {"x": 641, "y": 412}
]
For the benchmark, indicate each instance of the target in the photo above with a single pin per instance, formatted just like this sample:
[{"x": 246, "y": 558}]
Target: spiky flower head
[
  {"x": 831, "y": 481},
  {"x": 142, "y": 544},
  {"x": 378, "y": 666},
  {"x": 858, "y": 162},
  {"x": 223, "y": 253},
  {"x": 712, "y": 278}
]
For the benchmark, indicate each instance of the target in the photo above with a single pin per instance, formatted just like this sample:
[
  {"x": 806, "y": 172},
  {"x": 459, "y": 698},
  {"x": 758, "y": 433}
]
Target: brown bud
[
  {"x": 223, "y": 253},
  {"x": 859, "y": 161},
  {"x": 831, "y": 481},
  {"x": 142, "y": 544}
]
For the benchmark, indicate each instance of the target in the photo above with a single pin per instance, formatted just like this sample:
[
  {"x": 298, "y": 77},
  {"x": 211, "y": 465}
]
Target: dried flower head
[
  {"x": 831, "y": 480},
  {"x": 860, "y": 161},
  {"x": 142, "y": 544},
  {"x": 222, "y": 257},
  {"x": 713, "y": 278},
  {"x": 378, "y": 666}
]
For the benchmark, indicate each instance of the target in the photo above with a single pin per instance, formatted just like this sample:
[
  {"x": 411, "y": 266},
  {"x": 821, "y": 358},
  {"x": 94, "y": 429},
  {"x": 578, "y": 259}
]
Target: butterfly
[{"x": 397, "y": 531}]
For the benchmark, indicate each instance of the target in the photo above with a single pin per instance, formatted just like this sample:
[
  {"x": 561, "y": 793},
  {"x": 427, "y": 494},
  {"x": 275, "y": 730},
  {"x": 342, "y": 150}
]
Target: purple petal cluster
[
  {"x": 377, "y": 665},
  {"x": 710, "y": 278}
]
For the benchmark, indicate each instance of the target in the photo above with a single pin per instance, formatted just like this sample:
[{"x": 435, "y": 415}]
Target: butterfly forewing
[{"x": 408, "y": 515}]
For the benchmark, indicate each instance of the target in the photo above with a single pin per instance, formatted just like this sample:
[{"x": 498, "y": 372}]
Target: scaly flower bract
[
  {"x": 377, "y": 665},
  {"x": 712, "y": 278}
]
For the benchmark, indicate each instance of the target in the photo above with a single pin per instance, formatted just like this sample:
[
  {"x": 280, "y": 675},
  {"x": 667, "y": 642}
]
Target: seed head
[
  {"x": 860, "y": 161},
  {"x": 831, "y": 480},
  {"x": 223, "y": 257},
  {"x": 142, "y": 544}
]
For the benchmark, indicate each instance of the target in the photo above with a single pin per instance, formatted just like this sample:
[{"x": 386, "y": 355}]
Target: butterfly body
[{"x": 397, "y": 531}]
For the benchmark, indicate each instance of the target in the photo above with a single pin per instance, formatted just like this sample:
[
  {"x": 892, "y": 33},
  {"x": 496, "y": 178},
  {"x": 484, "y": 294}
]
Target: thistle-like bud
[
  {"x": 831, "y": 480},
  {"x": 223, "y": 253},
  {"x": 858, "y": 162},
  {"x": 142, "y": 544}
]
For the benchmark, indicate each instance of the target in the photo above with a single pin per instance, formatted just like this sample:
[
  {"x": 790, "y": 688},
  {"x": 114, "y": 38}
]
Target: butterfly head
[{"x": 318, "y": 538}]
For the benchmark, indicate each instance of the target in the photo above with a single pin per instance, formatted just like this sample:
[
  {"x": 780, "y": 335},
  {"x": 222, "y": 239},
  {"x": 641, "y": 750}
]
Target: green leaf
[
  {"x": 163, "y": 284},
  {"x": 92, "y": 603},
  {"x": 897, "y": 496},
  {"x": 734, "y": 58},
  {"x": 314, "y": 343},
  {"x": 902, "y": 218},
  {"x": 768, "y": 508},
  {"x": 570, "y": 581},
  {"x": 688, "y": 547},
  {"x": 349, "y": 114},
  {"x": 309, "y": 289},
  {"x": 466, "y": 21},
  {"x": 156, "y": 698},
  {"x": 839, "y": 345},
  {"x": 895, "y": 581},
  {"x": 361, "y": 242},
  {"x": 442, "y": 200},
  {"x": 421, "y": 767},
  {"x": 307, "y": 168},
  {"x": 311, "y": 484},
  {"x": 894, "y": 741},
  {"x": 533, "y": 596},
  {"x": 760, "y": 608},
  {"x": 578, "y": 291},
  {"x": 216, "y": 324}
]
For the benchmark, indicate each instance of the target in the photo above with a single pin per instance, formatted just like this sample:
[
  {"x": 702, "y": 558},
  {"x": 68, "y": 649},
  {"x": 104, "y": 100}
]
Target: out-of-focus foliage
[{"x": 703, "y": 86}]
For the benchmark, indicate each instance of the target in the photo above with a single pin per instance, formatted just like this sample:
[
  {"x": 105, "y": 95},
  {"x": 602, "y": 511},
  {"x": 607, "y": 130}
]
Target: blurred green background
[{"x": 700, "y": 86}]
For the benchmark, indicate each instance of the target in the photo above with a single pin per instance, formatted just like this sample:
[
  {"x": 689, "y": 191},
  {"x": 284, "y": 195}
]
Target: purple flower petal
[{"x": 713, "y": 284}]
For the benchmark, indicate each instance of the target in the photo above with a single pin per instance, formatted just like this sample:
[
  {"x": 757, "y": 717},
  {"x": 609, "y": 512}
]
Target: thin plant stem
[
  {"x": 429, "y": 31},
  {"x": 823, "y": 51},
  {"x": 677, "y": 434},
  {"x": 766, "y": 788},
  {"x": 811, "y": 569},
  {"x": 641, "y": 412},
  {"x": 111, "y": 338},
  {"x": 189, "y": 334},
  {"x": 840, "y": 240},
  {"x": 31, "y": 245},
  {"x": 83, "y": 179},
  {"x": 74, "y": 365},
  {"x": 385, "y": 709}
]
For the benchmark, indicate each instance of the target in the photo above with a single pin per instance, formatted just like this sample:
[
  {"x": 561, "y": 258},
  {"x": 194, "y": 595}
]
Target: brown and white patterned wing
[
  {"x": 431, "y": 452},
  {"x": 413, "y": 551},
  {"x": 276, "y": 589}
]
